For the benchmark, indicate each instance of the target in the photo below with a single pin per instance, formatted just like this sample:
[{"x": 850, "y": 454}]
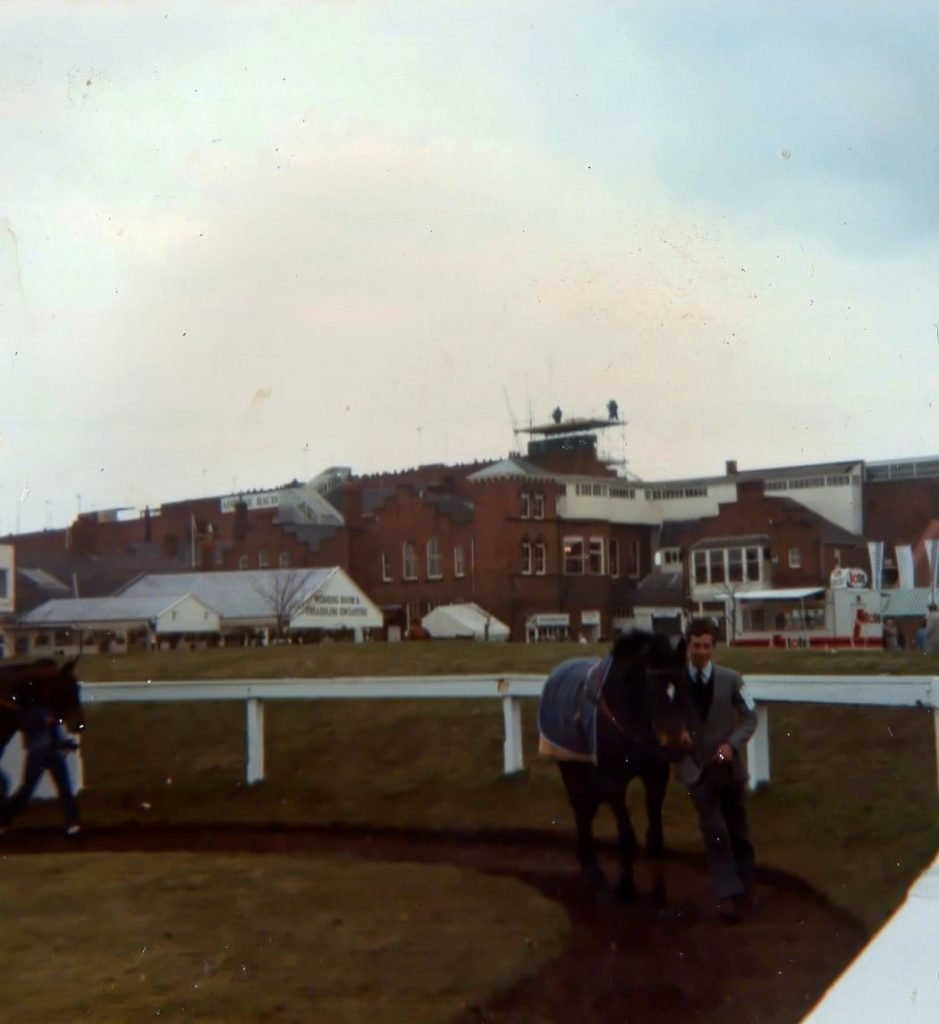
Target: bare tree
[
  {"x": 285, "y": 592},
  {"x": 730, "y": 590}
]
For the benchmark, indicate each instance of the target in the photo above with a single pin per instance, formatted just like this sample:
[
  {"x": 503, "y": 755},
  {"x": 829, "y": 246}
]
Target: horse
[
  {"x": 606, "y": 722},
  {"x": 40, "y": 683}
]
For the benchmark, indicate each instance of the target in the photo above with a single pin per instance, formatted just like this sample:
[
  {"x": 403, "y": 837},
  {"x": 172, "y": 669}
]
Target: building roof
[
  {"x": 234, "y": 595},
  {"x": 84, "y": 610},
  {"x": 514, "y": 466},
  {"x": 907, "y": 603},
  {"x": 782, "y": 594}
]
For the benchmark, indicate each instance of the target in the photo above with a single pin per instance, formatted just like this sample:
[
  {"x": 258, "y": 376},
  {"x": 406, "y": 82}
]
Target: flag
[
  {"x": 932, "y": 553},
  {"x": 905, "y": 566},
  {"x": 875, "y": 549}
]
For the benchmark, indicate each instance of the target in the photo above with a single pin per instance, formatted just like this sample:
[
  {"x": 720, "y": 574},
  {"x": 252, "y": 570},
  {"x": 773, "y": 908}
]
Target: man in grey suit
[{"x": 721, "y": 719}]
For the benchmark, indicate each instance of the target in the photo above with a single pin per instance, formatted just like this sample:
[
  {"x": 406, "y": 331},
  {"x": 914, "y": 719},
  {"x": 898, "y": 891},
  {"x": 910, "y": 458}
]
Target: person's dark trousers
[
  {"x": 42, "y": 753},
  {"x": 720, "y": 801}
]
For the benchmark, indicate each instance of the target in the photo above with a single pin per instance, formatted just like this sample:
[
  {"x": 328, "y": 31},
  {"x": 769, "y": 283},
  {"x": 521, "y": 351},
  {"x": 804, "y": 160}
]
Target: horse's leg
[
  {"x": 615, "y": 784},
  {"x": 580, "y": 781},
  {"x": 655, "y": 783}
]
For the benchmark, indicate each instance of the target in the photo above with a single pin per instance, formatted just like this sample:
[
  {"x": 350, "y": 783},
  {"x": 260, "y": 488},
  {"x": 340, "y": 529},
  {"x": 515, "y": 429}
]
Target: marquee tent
[{"x": 464, "y": 621}]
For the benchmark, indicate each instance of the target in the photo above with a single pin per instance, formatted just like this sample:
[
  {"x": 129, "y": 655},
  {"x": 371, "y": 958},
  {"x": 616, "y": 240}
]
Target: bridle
[{"x": 604, "y": 708}]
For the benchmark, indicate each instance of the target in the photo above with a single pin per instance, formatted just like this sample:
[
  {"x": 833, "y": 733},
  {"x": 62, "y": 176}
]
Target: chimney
[{"x": 731, "y": 469}]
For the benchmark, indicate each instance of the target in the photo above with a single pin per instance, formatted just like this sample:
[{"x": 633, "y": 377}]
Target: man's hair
[{"x": 702, "y": 627}]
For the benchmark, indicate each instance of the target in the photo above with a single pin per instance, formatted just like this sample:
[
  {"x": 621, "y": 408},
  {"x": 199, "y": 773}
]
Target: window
[
  {"x": 735, "y": 565},
  {"x": 242, "y": 561},
  {"x": 3, "y": 583},
  {"x": 727, "y": 565},
  {"x": 573, "y": 556},
  {"x": 753, "y": 564},
  {"x": 409, "y": 560},
  {"x": 434, "y": 561},
  {"x": 614, "y": 558},
  {"x": 386, "y": 576},
  {"x": 526, "y": 504},
  {"x": 458, "y": 566},
  {"x": 701, "y": 567},
  {"x": 263, "y": 561},
  {"x": 526, "y": 558},
  {"x": 795, "y": 558},
  {"x": 537, "y": 509},
  {"x": 284, "y": 560},
  {"x": 541, "y": 558},
  {"x": 595, "y": 558}
]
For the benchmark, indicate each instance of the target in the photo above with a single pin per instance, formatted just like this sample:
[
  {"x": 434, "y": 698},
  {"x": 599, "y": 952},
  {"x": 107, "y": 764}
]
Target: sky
[{"x": 242, "y": 243}]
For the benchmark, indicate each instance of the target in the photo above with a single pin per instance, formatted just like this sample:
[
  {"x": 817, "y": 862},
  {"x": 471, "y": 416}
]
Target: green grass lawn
[{"x": 130, "y": 937}]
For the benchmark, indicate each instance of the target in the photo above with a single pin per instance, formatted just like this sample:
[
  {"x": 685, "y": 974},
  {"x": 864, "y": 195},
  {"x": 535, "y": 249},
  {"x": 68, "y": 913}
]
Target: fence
[{"x": 883, "y": 691}]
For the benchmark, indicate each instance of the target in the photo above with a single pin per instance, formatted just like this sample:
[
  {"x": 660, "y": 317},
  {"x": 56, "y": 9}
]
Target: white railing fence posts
[
  {"x": 513, "y": 754},
  {"x": 254, "y": 768},
  {"x": 758, "y": 749}
]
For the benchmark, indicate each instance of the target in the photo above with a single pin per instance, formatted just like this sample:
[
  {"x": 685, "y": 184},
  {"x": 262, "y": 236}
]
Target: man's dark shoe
[{"x": 728, "y": 911}]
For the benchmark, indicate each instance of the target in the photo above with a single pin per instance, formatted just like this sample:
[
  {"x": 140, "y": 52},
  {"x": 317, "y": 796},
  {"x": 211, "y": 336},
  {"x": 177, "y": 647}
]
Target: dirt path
[{"x": 622, "y": 965}]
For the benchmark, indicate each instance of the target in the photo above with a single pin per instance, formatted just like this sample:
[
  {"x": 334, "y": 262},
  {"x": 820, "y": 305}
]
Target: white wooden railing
[{"x": 883, "y": 691}]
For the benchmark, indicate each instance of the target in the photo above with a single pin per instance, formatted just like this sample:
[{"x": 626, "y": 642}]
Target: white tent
[{"x": 465, "y": 622}]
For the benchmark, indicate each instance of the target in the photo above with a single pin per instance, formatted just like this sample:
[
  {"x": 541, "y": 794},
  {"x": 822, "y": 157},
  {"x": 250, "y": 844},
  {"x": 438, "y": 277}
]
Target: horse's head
[
  {"x": 652, "y": 667},
  {"x": 59, "y": 692}
]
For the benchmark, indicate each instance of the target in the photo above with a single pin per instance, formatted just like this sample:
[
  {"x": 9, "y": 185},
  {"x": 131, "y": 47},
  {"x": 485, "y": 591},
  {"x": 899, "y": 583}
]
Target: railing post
[
  {"x": 513, "y": 756},
  {"x": 758, "y": 749},
  {"x": 934, "y": 695},
  {"x": 255, "y": 724}
]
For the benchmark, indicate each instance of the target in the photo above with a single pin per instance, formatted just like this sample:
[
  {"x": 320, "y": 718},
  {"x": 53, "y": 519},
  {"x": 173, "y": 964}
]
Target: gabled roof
[
  {"x": 512, "y": 467},
  {"x": 78, "y": 610},
  {"x": 234, "y": 595},
  {"x": 43, "y": 580},
  {"x": 907, "y": 602}
]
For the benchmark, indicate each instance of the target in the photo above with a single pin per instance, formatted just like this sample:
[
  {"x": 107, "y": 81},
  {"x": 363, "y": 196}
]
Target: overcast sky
[{"x": 242, "y": 243}]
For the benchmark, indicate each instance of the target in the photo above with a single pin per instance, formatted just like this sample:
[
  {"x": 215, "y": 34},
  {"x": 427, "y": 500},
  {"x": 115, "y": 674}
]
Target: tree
[
  {"x": 285, "y": 591},
  {"x": 729, "y": 592}
]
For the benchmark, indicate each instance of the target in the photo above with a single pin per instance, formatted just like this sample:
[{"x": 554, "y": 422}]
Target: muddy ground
[{"x": 621, "y": 965}]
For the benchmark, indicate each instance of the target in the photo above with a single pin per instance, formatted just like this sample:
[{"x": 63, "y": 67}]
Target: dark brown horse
[
  {"x": 41, "y": 683},
  {"x": 608, "y": 721}
]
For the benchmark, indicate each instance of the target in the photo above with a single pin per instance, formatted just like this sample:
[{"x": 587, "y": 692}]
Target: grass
[
  {"x": 273, "y": 938},
  {"x": 446, "y": 657}
]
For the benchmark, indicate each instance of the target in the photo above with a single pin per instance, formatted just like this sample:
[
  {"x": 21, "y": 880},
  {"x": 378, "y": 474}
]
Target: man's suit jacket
[{"x": 730, "y": 719}]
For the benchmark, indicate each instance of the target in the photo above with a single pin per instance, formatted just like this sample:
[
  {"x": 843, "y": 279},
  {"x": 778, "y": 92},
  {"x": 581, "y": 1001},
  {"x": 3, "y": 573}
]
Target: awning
[{"x": 785, "y": 594}]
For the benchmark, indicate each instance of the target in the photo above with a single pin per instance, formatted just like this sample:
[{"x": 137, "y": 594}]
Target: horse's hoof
[{"x": 625, "y": 894}]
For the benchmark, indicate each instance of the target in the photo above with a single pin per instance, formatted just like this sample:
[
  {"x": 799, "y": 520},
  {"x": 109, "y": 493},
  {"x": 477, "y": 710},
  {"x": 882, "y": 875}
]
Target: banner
[
  {"x": 907, "y": 577},
  {"x": 875, "y": 549},
  {"x": 932, "y": 553}
]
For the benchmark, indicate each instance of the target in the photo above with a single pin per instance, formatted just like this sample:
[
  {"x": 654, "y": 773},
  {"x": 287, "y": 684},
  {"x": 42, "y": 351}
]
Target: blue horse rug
[{"x": 567, "y": 714}]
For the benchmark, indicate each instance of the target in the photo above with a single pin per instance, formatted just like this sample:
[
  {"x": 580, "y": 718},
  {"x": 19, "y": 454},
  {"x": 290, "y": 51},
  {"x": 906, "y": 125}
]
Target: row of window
[
  {"x": 604, "y": 491},
  {"x": 728, "y": 565},
  {"x": 532, "y": 505},
  {"x": 591, "y": 556},
  {"x": 264, "y": 561},
  {"x": 434, "y": 561},
  {"x": 736, "y": 565},
  {"x": 806, "y": 482},
  {"x": 662, "y": 493}
]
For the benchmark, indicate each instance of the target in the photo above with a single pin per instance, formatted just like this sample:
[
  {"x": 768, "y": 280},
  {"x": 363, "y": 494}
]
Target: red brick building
[{"x": 552, "y": 543}]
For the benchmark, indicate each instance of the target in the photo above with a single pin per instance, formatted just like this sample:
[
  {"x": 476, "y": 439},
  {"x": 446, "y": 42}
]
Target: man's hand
[{"x": 725, "y": 753}]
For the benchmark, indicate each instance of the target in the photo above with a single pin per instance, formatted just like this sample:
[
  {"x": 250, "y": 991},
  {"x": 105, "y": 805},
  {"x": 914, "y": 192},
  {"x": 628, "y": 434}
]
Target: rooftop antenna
[{"x": 512, "y": 419}]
